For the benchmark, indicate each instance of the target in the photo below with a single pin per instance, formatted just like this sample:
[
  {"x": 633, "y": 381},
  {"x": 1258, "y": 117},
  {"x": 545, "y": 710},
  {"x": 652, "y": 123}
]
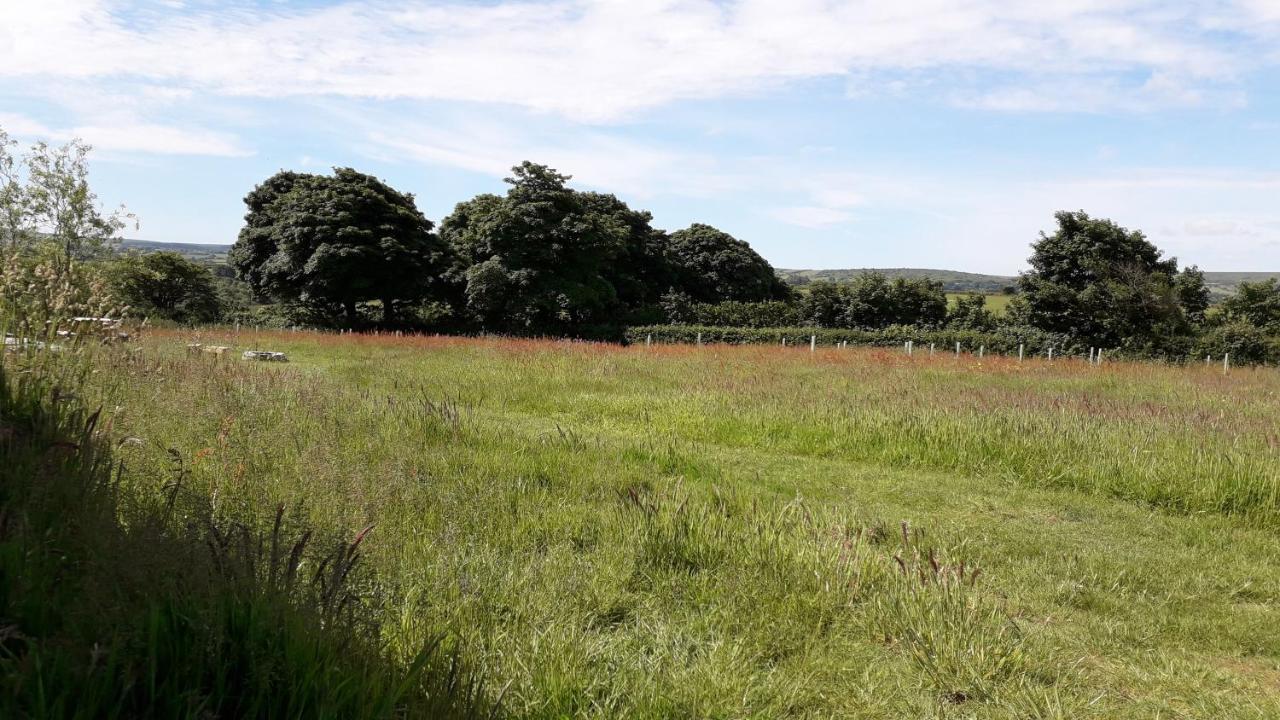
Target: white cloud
[
  {"x": 141, "y": 137},
  {"x": 601, "y": 60}
]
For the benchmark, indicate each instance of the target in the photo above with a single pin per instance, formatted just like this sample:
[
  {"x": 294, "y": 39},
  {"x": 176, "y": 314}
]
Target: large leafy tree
[
  {"x": 641, "y": 272},
  {"x": 534, "y": 260},
  {"x": 1107, "y": 285},
  {"x": 1255, "y": 303},
  {"x": 334, "y": 241},
  {"x": 713, "y": 266},
  {"x": 166, "y": 284}
]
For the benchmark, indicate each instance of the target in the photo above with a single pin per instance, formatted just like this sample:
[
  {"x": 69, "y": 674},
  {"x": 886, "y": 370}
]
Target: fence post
[
  {"x": 1020, "y": 346},
  {"x": 784, "y": 341},
  {"x": 911, "y": 346},
  {"x": 813, "y": 343},
  {"x": 699, "y": 338},
  {"x": 1098, "y": 360},
  {"x": 957, "y": 349},
  {"x": 1050, "y": 353},
  {"x": 930, "y": 349},
  {"x": 648, "y": 340},
  {"x": 1226, "y": 362},
  {"x": 982, "y": 350}
]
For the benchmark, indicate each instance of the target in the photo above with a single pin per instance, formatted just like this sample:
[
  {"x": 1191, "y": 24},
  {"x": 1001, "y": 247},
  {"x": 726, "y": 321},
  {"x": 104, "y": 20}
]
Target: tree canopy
[
  {"x": 336, "y": 241},
  {"x": 165, "y": 284},
  {"x": 1109, "y": 286},
  {"x": 713, "y": 266}
]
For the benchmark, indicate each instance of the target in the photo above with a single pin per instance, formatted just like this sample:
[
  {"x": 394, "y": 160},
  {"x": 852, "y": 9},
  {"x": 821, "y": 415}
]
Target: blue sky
[{"x": 922, "y": 133}]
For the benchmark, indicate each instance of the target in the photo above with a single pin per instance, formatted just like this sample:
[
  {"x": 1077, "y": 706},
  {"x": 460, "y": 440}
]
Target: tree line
[{"x": 347, "y": 250}]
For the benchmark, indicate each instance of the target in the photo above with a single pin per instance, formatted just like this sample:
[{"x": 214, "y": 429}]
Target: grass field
[{"x": 760, "y": 532}]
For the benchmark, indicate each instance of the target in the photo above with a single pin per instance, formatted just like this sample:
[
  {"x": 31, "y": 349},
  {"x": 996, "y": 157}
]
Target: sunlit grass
[{"x": 718, "y": 531}]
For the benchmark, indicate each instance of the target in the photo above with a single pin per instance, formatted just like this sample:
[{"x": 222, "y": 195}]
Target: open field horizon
[{"x": 721, "y": 531}]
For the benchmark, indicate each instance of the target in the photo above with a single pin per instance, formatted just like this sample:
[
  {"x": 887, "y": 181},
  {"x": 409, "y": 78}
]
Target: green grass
[{"x": 760, "y": 532}]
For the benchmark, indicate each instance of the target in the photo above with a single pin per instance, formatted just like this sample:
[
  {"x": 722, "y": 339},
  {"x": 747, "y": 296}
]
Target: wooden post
[
  {"x": 1090, "y": 356},
  {"x": 930, "y": 349},
  {"x": 813, "y": 343},
  {"x": 1226, "y": 363},
  {"x": 957, "y": 349},
  {"x": 1098, "y": 360},
  {"x": 699, "y": 338},
  {"x": 1020, "y": 352},
  {"x": 648, "y": 340},
  {"x": 982, "y": 350},
  {"x": 1050, "y": 353},
  {"x": 784, "y": 341},
  {"x": 911, "y": 346}
]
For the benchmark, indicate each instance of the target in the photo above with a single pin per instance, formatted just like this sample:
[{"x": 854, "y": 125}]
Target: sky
[{"x": 903, "y": 133}]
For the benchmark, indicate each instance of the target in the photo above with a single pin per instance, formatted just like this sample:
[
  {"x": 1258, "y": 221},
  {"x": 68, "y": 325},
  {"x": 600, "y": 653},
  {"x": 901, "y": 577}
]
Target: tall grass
[
  {"x": 715, "y": 532},
  {"x": 146, "y": 600}
]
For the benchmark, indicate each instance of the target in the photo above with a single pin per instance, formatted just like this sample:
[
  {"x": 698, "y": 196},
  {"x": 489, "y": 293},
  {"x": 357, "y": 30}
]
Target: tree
[
  {"x": 1105, "y": 285},
  {"x": 63, "y": 206},
  {"x": 713, "y": 266},
  {"x": 970, "y": 313},
  {"x": 876, "y": 302},
  {"x": 642, "y": 271},
  {"x": 1256, "y": 303},
  {"x": 17, "y": 222},
  {"x": 334, "y": 241},
  {"x": 534, "y": 260},
  {"x": 825, "y": 304},
  {"x": 168, "y": 285}
]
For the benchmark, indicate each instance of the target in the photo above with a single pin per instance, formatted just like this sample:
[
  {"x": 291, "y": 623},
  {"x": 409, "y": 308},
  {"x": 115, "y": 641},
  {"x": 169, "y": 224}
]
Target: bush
[
  {"x": 1247, "y": 344},
  {"x": 1003, "y": 340}
]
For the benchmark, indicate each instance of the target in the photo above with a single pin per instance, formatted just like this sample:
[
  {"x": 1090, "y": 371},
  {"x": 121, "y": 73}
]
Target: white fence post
[
  {"x": 648, "y": 340},
  {"x": 1050, "y": 353},
  {"x": 1226, "y": 363},
  {"x": 982, "y": 350},
  {"x": 930, "y": 349},
  {"x": 1098, "y": 359},
  {"x": 1020, "y": 346},
  {"x": 699, "y": 338},
  {"x": 957, "y": 349},
  {"x": 813, "y": 343}
]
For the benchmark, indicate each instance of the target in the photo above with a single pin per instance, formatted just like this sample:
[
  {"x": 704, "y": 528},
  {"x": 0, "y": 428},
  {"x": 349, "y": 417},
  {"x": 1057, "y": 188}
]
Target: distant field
[{"x": 760, "y": 532}]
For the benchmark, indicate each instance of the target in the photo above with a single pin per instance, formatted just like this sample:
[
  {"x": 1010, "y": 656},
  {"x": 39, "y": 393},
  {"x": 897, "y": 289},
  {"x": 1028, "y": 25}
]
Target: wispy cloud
[
  {"x": 131, "y": 136},
  {"x": 603, "y": 60}
]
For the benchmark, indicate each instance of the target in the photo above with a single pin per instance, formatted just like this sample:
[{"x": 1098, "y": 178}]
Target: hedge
[{"x": 1003, "y": 340}]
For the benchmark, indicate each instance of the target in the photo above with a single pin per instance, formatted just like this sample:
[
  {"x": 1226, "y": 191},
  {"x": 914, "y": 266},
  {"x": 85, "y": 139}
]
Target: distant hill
[
  {"x": 952, "y": 280},
  {"x": 191, "y": 251},
  {"x": 1219, "y": 283}
]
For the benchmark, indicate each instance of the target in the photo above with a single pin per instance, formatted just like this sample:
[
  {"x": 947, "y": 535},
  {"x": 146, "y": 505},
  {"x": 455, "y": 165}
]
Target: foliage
[
  {"x": 1004, "y": 340},
  {"x": 166, "y": 285},
  {"x": 770, "y": 313},
  {"x": 1257, "y": 303},
  {"x": 533, "y": 260},
  {"x": 1244, "y": 341},
  {"x": 713, "y": 266},
  {"x": 1107, "y": 286},
  {"x": 333, "y": 241},
  {"x": 45, "y": 197},
  {"x": 969, "y": 312}
]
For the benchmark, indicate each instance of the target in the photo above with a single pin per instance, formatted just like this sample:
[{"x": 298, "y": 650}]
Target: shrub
[
  {"x": 1003, "y": 340},
  {"x": 1246, "y": 343}
]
